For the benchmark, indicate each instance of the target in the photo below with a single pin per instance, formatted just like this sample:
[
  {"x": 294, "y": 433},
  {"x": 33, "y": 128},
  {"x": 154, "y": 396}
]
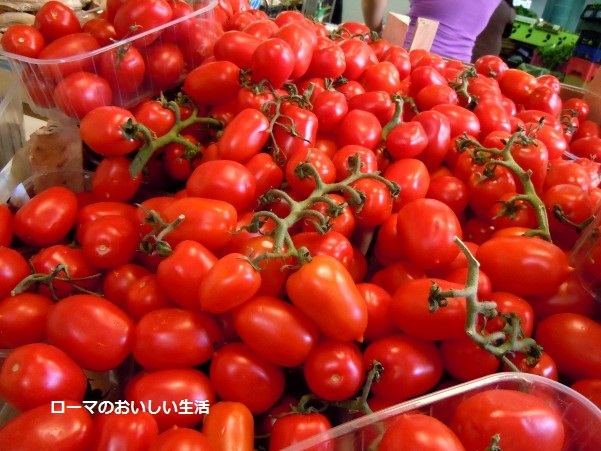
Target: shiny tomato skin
[
  {"x": 172, "y": 386},
  {"x": 35, "y": 374},
  {"x": 96, "y": 333},
  {"x": 410, "y": 312},
  {"x": 131, "y": 431},
  {"x": 412, "y": 366},
  {"x": 421, "y": 432},
  {"x": 174, "y": 338},
  {"x": 13, "y": 268},
  {"x": 571, "y": 340},
  {"x": 528, "y": 266},
  {"x": 47, "y": 218},
  {"x": 55, "y": 19},
  {"x": 334, "y": 370},
  {"x": 522, "y": 420},
  {"x": 208, "y": 221},
  {"x": 235, "y": 362},
  {"x": 68, "y": 431},
  {"x": 23, "y": 319},
  {"x": 295, "y": 427},
  {"x": 427, "y": 229},
  {"x": 101, "y": 129},
  {"x": 213, "y": 83},
  {"x": 276, "y": 330},
  {"x": 229, "y": 425},
  {"x": 324, "y": 290},
  {"x": 24, "y": 40}
]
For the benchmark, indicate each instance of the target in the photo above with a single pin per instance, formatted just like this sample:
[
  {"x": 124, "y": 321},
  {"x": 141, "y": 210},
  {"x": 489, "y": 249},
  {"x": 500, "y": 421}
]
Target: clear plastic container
[
  {"x": 194, "y": 35},
  {"x": 12, "y": 131},
  {"x": 582, "y": 419},
  {"x": 586, "y": 256}
]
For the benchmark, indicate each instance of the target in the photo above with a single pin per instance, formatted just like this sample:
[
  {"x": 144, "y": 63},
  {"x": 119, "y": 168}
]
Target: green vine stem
[
  {"x": 507, "y": 341},
  {"x": 153, "y": 143},
  {"x": 48, "y": 280},
  {"x": 283, "y": 245},
  {"x": 461, "y": 85},
  {"x": 502, "y": 157}
]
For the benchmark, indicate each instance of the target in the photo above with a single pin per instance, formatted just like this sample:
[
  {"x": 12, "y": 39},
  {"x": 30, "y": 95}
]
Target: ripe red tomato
[
  {"x": 55, "y": 19},
  {"x": 113, "y": 181},
  {"x": 47, "y": 218},
  {"x": 110, "y": 241},
  {"x": 427, "y": 229},
  {"x": 24, "y": 40},
  {"x": 213, "y": 83},
  {"x": 139, "y": 16},
  {"x": 324, "y": 290},
  {"x": 229, "y": 425},
  {"x": 96, "y": 333},
  {"x": 274, "y": 61},
  {"x": 36, "y": 374},
  {"x": 520, "y": 419},
  {"x": 421, "y": 432},
  {"x": 23, "y": 319},
  {"x": 165, "y": 65},
  {"x": 276, "y": 330},
  {"x": 334, "y": 370},
  {"x": 71, "y": 46},
  {"x": 464, "y": 360},
  {"x": 523, "y": 265},
  {"x": 571, "y": 340},
  {"x": 412, "y": 366},
  {"x": 175, "y": 397},
  {"x": 262, "y": 384},
  {"x": 174, "y": 338},
  {"x": 294, "y": 427},
  {"x": 70, "y": 430},
  {"x": 101, "y": 130},
  {"x": 131, "y": 430},
  {"x": 124, "y": 70}
]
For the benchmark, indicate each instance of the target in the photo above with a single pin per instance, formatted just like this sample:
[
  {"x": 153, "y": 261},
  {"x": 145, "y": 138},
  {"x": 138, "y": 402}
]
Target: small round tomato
[
  {"x": 81, "y": 92},
  {"x": 113, "y": 181},
  {"x": 55, "y": 19},
  {"x": 334, "y": 370},
  {"x": 418, "y": 431},
  {"x": 102, "y": 130}
]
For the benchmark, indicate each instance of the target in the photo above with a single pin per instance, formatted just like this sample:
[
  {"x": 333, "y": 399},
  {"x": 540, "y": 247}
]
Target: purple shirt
[{"x": 460, "y": 22}]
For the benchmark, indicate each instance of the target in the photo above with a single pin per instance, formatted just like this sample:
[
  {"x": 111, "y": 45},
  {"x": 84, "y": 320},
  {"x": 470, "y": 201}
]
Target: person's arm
[{"x": 373, "y": 13}]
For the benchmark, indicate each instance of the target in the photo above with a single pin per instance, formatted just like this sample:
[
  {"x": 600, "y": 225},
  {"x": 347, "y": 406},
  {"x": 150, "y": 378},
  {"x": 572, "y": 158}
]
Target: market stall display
[{"x": 309, "y": 225}]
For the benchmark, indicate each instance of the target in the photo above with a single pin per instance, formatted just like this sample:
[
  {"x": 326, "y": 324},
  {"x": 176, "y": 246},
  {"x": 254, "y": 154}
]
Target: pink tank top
[{"x": 460, "y": 22}]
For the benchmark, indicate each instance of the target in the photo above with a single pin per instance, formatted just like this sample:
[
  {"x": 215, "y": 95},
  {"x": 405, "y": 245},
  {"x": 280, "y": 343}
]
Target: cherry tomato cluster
[
  {"x": 73, "y": 64},
  {"x": 316, "y": 222}
]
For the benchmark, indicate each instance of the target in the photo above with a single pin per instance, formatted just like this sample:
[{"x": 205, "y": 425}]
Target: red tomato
[
  {"x": 523, "y": 265},
  {"x": 427, "y": 229},
  {"x": 174, "y": 338},
  {"x": 225, "y": 180},
  {"x": 361, "y": 128},
  {"x": 23, "y": 319},
  {"x": 517, "y": 85},
  {"x": 94, "y": 332},
  {"x": 145, "y": 295},
  {"x": 263, "y": 382},
  {"x": 327, "y": 61},
  {"x": 520, "y": 419},
  {"x": 70, "y": 430},
  {"x": 420, "y": 432},
  {"x": 135, "y": 431},
  {"x": 294, "y": 427},
  {"x": 231, "y": 282},
  {"x": 47, "y": 218},
  {"x": 81, "y": 92},
  {"x": 213, "y": 83},
  {"x": 113, "y": 181},
  {"x": 464, "y": 360},
  {"x": 276, "y": 330},
  {"x": 124, "y": 69},
  {"x": 110, "y": 241},
  {"x": 334, "y": 370},
  {"x": 35, "y": 374},
  {"x": 412, "y": 366},
  {"x": 208, "y": 221},
  {"x": 102, "y": 29},
  {"x": 244, "y": 137},
  {"x": 378, "y": 301},
  {"x": 175, "y": 397},
  {"x": 229, "y": 426},
  {"x": 71, "y": 46},
  {"x": 571, "y": 340},
  {"x": 165, "y": 65},
  {"x": 324, "y": 290},
  {"x": 101, "y": 129},
  {"x": 491, "y": 66},
  {"x": 410, "y": 311},
  {"x": 55, "y": 19},
  {"x": 117, "y": 282},
  {"x": 273, "y": 60},
  {"x": 139, "y": 16},
  {"x": 24, "y": 40}
]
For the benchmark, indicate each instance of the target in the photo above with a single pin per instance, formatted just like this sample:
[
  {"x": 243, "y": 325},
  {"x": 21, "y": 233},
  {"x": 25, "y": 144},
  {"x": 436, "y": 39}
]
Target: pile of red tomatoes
[{"x": 272, "y": 229}]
